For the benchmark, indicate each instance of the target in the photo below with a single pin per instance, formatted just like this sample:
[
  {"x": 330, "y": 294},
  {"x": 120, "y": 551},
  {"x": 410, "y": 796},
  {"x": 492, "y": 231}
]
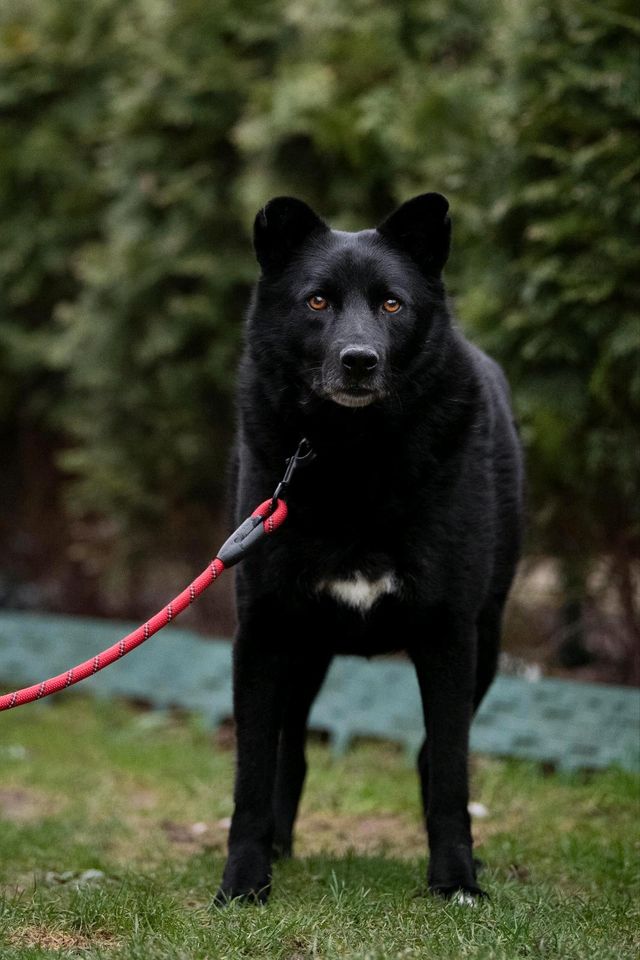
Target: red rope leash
[{"x": 265, "y": 519}]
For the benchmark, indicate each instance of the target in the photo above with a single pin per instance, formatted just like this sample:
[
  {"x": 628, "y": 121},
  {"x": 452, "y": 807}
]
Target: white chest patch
[{"x": 359, "y": 592}]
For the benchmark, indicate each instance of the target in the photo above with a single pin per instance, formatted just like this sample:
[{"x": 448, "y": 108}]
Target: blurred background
[{"x": 137, "y": 140}]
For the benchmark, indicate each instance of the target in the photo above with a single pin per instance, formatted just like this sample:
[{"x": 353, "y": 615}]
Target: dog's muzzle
[{"x": 356, "y": 381}]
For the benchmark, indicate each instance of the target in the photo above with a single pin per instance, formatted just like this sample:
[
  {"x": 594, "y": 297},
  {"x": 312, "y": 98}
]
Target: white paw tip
[{"x": 463, "y": 899}]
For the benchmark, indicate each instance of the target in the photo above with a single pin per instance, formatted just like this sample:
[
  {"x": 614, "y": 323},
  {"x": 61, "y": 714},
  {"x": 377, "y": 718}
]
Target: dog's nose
[{"x": 359, "y": 361}]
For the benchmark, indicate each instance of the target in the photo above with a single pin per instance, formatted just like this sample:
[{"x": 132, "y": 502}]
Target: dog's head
[{"x": 348, "y": 315}]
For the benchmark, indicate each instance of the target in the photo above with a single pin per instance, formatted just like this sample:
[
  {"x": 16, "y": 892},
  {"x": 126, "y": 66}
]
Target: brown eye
[
  {"x": 391, "y": 305},
  {"x": 316, "y": 302}
]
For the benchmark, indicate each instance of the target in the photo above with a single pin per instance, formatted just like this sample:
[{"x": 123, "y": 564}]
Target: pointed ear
[
  {"x": 280, "y": 228},
  {"x": 422, "y": 228}
]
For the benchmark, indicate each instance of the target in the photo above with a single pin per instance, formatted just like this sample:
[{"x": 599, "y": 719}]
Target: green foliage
[
  {"x": 51, "y": 61},
  {"x": 150, "y": 341},
  {"x": 563, "y": 310},
  {"x": 138, "y": 138},
  {"x": 179, "y": 121}
]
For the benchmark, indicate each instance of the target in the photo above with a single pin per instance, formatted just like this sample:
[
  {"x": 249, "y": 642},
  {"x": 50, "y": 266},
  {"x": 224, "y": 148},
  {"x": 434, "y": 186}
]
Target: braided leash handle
[{"x": 271, "y": 519}]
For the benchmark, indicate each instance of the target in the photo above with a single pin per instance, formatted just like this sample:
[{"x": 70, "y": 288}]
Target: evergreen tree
[{"x": 562, "y": 310}]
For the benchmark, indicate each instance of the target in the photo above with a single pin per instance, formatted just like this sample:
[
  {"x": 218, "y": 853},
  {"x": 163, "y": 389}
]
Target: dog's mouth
[
  {"x": 347, "y": 391},
  {"x": 353, "y": 396}
]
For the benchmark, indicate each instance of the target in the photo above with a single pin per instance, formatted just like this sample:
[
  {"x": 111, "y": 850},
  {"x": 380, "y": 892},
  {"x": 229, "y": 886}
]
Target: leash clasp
[
  {"x": 241, "y": 540},
  {"x": 303, "y": 455},
  {"x": 268, "y": 516}
]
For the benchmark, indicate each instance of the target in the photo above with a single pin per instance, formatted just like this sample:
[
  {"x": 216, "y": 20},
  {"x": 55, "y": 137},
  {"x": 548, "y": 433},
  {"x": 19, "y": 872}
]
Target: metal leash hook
[
  {"x": 303, "y": 455},
  {"x": 262, "y": 519}
]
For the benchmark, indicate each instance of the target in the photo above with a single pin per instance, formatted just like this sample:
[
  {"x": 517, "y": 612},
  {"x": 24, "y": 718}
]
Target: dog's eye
[
  {"x": 318, "y": 302},
  {"x": 391, "y": 305}
]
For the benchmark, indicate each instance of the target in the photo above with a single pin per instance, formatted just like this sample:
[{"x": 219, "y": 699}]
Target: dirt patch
[
  {"x": 193, "y": 837},
  {"x": 25, "y": 806},
  {"x": 148, "y": 841},
  {"x": 37, "y": 936},
  {"x": 387, "y": 833},
  {"x": 143, "y": 799},
  {"x": 225, "y": 736},
  {"x": 299, "y": 949}
]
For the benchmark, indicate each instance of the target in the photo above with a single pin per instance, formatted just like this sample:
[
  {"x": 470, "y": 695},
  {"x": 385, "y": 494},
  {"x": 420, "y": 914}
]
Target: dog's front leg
[
  {"x": 445, "y": 664},
  {"x": 258, "y": 675}
]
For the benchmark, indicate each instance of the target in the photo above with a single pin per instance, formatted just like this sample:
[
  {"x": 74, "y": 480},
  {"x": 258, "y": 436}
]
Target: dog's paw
[
  {"x": 228, "y": 895},
  {"x": 467, "y": 896},
  {"x": 462, "y": 898},
  {"x": 246, "y": 877},
  {"x": 452, "y": 870}
]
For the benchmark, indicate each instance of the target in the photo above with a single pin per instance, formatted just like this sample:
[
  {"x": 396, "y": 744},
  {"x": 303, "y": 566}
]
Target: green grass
[{"x": 139, "y": 797}]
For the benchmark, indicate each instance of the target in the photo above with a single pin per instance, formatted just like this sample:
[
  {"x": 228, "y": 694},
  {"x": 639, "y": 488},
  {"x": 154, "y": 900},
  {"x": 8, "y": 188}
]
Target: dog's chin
[{"x": 352, "y": 398}]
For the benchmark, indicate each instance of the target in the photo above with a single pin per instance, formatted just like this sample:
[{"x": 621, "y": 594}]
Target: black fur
[{"x": 422, "y": 480}]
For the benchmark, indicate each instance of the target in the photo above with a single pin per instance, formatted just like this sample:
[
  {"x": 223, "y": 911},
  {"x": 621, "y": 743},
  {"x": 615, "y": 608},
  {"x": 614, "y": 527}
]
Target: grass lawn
[{"x": 143, "y": 799}]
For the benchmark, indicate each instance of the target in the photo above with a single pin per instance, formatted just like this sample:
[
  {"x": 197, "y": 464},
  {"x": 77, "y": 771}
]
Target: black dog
[{"x": 404, "y": 532}]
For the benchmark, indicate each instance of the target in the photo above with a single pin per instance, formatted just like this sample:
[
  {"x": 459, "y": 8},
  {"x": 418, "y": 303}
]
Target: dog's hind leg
[
  {"x": 489, "y": 626},
  {"x": 445, "y": 670},
  {"x": 423, "y": 777},
  {"x": 304, "y": 682},
  {"x": 489, "y": 634}
]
